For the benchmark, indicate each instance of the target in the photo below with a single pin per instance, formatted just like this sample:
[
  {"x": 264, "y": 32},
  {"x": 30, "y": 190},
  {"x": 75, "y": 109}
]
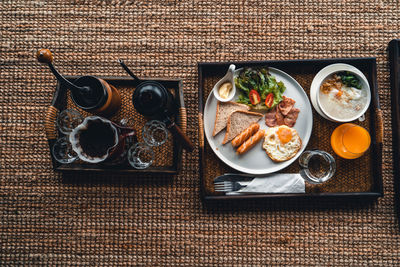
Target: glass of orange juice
[{"x": 350, "y": 141}]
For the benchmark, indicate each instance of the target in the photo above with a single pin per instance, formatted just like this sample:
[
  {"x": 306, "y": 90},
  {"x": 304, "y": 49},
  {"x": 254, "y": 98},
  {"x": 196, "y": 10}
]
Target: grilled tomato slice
[
  {"x": 254, "y": 97},
  {"x": 269, "y": 100}
]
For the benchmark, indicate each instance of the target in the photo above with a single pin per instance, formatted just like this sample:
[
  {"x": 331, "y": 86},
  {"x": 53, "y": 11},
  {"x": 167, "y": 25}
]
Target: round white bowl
[{"x": 320, "y": 78}]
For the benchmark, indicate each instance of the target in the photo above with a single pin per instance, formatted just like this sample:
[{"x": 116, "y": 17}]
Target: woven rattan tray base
[
  {"x": 167, "y": 157},
  {"x": 357, "y": 177}
]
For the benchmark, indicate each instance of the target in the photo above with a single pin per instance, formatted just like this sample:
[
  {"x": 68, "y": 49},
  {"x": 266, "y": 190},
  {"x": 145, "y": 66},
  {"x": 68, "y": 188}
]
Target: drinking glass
[
  {"x": 155, "y": 133},
  {"x": 317, "y": 166},
  {"x": 67, "y": 120},
  {"x": 140, "y": 156},
  {"x": 62, "y": 151},
  {"x": 350, "y": 141}
]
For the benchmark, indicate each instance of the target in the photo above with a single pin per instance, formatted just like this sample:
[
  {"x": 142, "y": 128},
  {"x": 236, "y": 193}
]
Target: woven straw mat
[{"x": 102, "y": 220}]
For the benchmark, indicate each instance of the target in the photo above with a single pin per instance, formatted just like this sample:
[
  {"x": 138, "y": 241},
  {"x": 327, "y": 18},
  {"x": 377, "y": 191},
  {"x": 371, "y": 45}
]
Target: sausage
[
  {"x": 251, "y": 142},
  {"x": 243, "y": 136}
]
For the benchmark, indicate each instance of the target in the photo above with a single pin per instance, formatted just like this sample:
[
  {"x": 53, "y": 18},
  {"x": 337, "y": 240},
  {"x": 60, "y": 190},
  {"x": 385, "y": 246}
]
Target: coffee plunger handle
[
  {"x": 180, "y": 136},
  {"x": 45, "y": 56},
  {"x": 128, "y": 70}
]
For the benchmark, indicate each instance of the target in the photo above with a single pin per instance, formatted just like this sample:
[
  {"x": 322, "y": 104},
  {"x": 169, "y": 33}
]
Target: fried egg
[{"x": 281, "y": 143}]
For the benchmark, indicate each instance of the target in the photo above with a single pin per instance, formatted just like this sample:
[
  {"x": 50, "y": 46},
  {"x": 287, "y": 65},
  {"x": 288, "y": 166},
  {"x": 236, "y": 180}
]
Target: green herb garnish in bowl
[{"x": 349, "y": 79}]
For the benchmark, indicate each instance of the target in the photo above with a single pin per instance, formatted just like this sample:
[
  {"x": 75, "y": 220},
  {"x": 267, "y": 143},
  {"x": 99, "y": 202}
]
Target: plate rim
[{"x": 279, "y": 167}]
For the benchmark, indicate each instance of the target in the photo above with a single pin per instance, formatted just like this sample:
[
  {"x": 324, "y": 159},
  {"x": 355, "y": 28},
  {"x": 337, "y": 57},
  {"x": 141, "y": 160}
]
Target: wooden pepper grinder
[{"x": 89, "y": 93}]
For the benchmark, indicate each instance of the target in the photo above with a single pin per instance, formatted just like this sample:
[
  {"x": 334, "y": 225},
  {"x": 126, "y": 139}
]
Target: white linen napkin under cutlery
[{"x": 273, "y": 183}]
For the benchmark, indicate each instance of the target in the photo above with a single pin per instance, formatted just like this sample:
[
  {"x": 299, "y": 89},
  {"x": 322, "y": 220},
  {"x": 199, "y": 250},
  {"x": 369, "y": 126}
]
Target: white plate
[
  {"x": 256, "y": 161},
  {"x": 329, "y": 70}
]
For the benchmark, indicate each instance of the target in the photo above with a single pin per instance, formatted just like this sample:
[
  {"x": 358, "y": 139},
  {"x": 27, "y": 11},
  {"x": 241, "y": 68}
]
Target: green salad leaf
[
  {"x": 263, "y": 82},
  {"x": 243, "y": 99}
]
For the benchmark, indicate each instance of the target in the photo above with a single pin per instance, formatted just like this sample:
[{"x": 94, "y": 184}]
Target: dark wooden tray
[
  {"x": 360, "y": 178},
  {"x": 168, "y": 157},
  {"x": 394, "y": 60}
]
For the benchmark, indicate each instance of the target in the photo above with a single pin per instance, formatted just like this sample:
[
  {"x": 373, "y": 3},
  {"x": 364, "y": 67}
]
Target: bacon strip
[
  {"x": 286, "y": 105},
  {"x": 279, "y": 118},
  {"x": 270, "y": 119},
  {"x": 291, "y": 117},
  {"x": 283, "y": 114}
]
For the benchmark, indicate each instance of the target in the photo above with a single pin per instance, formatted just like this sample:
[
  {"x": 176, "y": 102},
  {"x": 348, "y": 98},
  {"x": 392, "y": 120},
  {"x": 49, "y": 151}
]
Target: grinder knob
[{"x": 44, "y": 56}]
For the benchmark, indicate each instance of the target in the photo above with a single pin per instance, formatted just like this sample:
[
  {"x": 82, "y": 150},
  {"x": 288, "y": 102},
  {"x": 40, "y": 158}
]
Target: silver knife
[{"x": 234, "y": 177}]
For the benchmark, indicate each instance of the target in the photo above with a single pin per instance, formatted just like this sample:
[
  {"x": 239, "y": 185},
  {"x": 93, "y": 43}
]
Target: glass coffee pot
[
  {"x": 89, "y": 93},
  {"x": 97, "y": 139}
]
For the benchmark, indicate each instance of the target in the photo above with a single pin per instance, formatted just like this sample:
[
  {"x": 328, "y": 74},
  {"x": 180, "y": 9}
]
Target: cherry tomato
[
  {"x": 269, "y": 100},
  {"x": 254, "y": 97}
]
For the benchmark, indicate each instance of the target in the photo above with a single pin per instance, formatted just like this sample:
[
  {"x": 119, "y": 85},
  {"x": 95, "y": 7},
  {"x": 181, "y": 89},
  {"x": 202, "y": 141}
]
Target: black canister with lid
[{"x": 153, "y": 100}]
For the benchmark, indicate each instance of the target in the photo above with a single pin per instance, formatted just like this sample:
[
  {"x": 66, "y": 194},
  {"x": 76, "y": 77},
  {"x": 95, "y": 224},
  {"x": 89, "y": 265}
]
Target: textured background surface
[{"x": 49, "y": 219}]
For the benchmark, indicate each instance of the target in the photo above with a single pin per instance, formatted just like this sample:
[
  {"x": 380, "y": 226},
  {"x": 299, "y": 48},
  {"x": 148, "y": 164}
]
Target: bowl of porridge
[{"x": 341, "y": 93}]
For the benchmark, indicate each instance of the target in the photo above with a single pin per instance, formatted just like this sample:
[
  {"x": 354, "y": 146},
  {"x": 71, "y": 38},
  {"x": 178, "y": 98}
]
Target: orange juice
[{"x": 350, "y": 141}]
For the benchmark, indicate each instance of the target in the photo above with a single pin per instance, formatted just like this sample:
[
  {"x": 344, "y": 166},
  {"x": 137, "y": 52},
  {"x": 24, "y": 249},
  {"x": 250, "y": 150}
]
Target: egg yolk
[{"x": 284, "y": 135}]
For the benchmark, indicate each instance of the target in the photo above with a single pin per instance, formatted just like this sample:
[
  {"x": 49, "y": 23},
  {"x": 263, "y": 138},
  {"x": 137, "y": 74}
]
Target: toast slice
[
  {"x": 238, "y": 122},
  {"x": 224, "y": 110}
]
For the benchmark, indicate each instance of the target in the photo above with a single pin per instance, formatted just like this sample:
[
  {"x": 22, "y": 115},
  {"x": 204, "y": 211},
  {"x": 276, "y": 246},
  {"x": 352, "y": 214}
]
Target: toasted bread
[
  {"x": 224, "y": 110},
  {"x": 238, "y": 121}
]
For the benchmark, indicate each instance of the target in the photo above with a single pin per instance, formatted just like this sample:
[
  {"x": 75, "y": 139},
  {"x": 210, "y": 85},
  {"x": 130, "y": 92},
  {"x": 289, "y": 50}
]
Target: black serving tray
[
  {"x": 168, "y": 157},
  {"x": 210, "y": 71}
]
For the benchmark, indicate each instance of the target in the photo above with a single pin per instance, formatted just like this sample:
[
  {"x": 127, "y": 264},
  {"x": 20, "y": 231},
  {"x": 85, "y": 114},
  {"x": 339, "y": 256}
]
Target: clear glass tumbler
[
  {"x": 62, "y": 151},
  {"x": 67, "y": 120},
  {"x": 317, "y": 166},
  {"x": 140, "y": 156},
  {"x": 155, "y": 133}
]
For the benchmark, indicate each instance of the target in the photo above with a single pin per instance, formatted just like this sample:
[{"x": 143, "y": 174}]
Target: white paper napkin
[{"x": 274, "y": 183}]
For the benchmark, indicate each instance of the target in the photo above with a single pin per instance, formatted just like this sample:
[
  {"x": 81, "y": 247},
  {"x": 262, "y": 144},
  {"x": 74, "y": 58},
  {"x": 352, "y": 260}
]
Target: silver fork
[{"x": 228, "y": 186}]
